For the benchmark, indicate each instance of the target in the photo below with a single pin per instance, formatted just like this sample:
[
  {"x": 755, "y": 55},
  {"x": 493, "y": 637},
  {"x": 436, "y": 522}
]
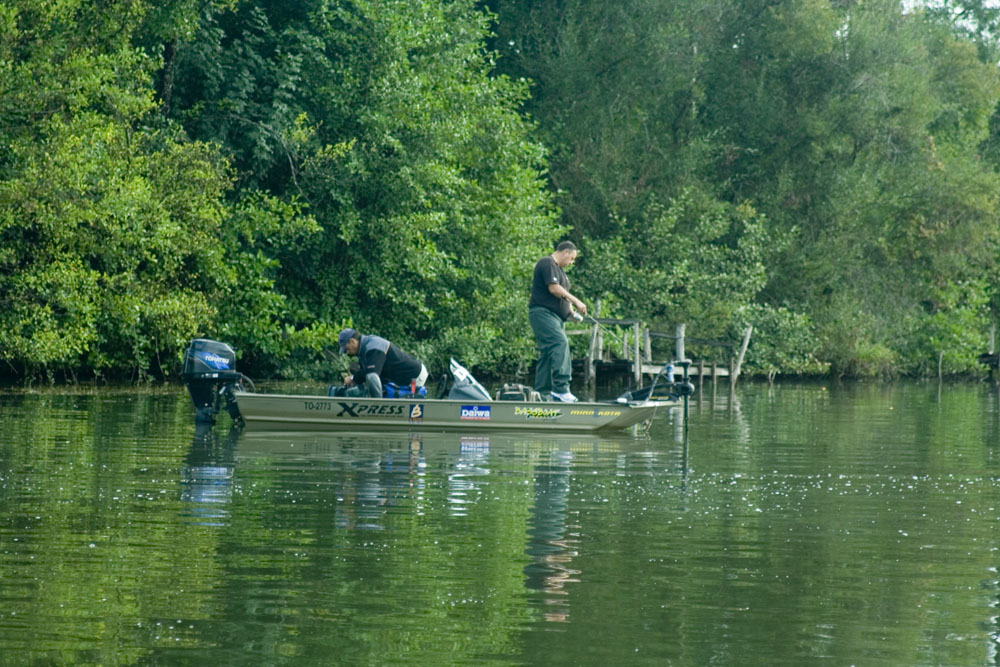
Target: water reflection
[
  {"x": 372, "y": 480},
  {"x": 388, "y": 481},
  {"x": 549, "y": 546},
  {"x": 207, "y": 476},
  {"x": 802, "y": 524},
  {"x": 464, "y": 483}
]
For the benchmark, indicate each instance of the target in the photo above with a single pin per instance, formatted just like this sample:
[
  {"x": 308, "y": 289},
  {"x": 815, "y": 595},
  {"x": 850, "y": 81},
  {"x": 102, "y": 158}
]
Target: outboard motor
[{"x": 210, "y": 373}]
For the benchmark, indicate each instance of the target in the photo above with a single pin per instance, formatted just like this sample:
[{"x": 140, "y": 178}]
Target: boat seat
[{"x": 518, "y": 392}]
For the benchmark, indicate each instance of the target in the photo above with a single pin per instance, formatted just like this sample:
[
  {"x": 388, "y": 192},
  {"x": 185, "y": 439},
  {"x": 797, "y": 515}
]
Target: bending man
[
  {"x": 381, "y": 362},
  {"x": 550, "y": 305}
]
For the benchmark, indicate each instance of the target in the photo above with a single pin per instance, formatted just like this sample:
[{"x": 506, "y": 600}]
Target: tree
[
  {"x": 118, "y": 241},
  {"x": 415, "y": 162},
  {"x": 618, "y": 92},
  {"x": 854, "y": 130}
]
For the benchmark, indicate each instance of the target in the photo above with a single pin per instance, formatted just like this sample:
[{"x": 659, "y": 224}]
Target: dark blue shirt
[{"x": 391, "y": 364}]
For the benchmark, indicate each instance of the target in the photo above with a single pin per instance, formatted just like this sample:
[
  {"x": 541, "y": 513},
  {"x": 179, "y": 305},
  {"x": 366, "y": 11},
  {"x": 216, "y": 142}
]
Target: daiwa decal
[
  {"x": 417, "y": 412},
  {"x": 538, "y": 413},
  {"x": 476, "y": 412}
]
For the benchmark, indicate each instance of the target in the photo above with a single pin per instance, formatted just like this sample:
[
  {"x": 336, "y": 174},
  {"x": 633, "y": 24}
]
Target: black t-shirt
[{"x": 547, "y": 272}]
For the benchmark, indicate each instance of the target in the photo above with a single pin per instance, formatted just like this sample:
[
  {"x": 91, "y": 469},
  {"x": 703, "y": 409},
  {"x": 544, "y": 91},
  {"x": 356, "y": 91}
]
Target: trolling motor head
[
  {"x": 210, "y": 373},
  {"x": 671, "y": 388}
]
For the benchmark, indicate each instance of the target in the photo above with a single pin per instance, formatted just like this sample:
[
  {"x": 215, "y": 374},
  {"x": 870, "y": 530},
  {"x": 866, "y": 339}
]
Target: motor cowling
[{"x": 209, "y": 371}]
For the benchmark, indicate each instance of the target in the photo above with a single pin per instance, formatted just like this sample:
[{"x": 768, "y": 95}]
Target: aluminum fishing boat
[
  {"x": 209, "y": 371},
  {"x": 445, "y": 414}
]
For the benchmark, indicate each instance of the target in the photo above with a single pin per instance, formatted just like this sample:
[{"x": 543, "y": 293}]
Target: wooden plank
[{"x": 693, "y": 371}]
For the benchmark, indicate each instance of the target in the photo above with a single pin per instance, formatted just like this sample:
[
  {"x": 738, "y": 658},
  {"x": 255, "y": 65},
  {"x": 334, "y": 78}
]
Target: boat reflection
[
  {"x": 384, "y": 481},
  {"x": 372, "y": 481}
]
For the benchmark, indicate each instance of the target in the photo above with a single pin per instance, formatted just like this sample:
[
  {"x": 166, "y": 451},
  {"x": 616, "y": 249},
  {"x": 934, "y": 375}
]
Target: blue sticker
[{"x": 476, "y": 412}]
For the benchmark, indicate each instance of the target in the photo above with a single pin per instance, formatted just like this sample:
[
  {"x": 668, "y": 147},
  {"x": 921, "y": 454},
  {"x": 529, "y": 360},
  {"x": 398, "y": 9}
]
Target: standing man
[
  {"x": 381, "y": 362},
  {"x": 551, "y": 304}
]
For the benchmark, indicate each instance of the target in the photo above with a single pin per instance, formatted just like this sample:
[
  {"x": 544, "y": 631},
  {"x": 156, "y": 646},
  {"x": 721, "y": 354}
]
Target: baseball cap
[{"x": 345, "y": 335}]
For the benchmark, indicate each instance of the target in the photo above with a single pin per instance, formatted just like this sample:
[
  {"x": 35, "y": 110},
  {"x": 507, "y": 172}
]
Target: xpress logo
[
  {"x": 476, "y": 412},
  {"x": 367, "y": 410}
]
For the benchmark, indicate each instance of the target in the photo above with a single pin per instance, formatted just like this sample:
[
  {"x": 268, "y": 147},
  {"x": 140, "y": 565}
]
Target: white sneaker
[{"x": 565, "y": 398}]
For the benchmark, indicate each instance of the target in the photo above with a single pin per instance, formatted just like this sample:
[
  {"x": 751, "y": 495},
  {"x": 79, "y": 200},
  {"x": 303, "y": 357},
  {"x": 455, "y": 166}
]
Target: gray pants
[{"x": 554, "y": 368}]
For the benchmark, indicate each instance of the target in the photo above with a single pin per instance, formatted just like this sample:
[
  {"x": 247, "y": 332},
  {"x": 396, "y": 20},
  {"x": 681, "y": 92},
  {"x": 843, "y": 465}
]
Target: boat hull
[{"x": 431, "y": 414}]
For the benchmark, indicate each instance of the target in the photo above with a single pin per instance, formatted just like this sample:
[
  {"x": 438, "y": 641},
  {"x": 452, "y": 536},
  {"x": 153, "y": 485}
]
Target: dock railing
[{"x": 635, "y": 342}]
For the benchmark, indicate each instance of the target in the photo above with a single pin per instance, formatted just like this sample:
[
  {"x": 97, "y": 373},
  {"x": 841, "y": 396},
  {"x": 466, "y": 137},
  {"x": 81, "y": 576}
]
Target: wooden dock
[{"x": 630, "y": 351}]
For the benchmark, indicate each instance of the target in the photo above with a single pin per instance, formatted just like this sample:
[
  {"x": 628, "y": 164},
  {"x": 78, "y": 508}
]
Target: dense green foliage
[
  {"x": 262, "y": 174},
  {"x": 858, "y": 133},
  {"x": 383, "y": 117},
  {"x": 266, "y": 172},
  {"x": 121, "y": 239}
]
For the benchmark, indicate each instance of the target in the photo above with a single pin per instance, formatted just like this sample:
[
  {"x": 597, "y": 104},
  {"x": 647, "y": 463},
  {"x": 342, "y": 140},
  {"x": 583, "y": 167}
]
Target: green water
[{"x": 794, "y": 525}]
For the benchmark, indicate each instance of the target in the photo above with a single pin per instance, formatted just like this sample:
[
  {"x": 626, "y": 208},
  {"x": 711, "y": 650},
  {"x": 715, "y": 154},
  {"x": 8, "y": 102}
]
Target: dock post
[
  {"x": 679, "y": 343},
  {"x": 594, "y": 350},
  {"x": 992, "y": 349},
  {"x": 636, "y": 359},
  {"x": 701, "y": 375},
  {"x": 735, "y": 372},
  {"x": 600, "y": 332}
]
